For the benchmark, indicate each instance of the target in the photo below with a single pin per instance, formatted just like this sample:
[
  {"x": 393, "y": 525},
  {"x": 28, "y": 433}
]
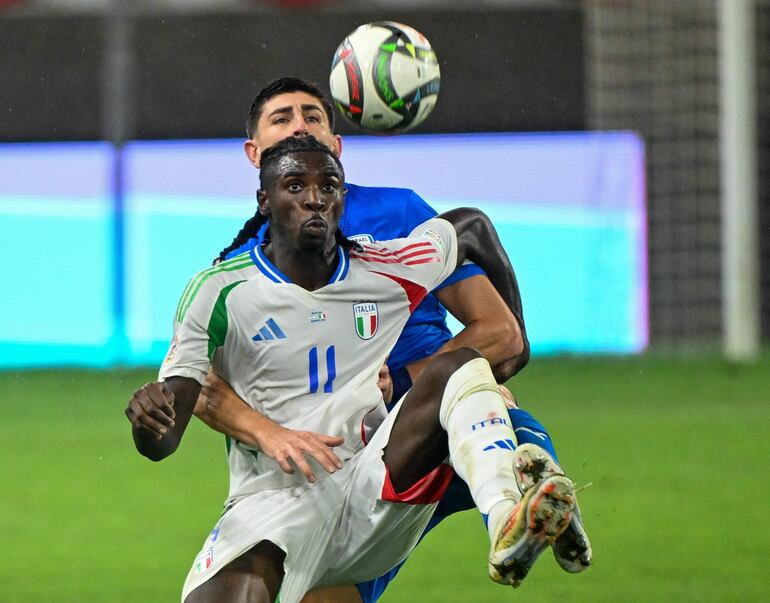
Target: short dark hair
[{"x": 285, "y": 85}]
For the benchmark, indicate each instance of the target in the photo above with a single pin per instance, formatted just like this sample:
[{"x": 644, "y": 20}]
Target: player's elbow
[
  {"x": 155, "y": 455},
  {"x": 155, "y": 450},
  {"x": 510, "y": 343},
  {"x": 513, "y": 355}
]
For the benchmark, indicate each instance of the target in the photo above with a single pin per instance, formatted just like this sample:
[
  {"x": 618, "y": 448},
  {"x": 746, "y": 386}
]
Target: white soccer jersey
[{"x": 307, "y": 360}]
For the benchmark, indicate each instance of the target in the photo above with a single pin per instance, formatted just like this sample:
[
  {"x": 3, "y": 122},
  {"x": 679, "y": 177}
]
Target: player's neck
[{"x": 310, "y": 269}]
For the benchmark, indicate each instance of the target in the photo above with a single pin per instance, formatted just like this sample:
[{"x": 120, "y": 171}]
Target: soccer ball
[{"x": 385, "y": 77}]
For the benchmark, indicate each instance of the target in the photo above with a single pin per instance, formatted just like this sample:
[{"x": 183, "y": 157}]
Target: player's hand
[
  {"x": 385, "y": 383},
  {"x": 508, "y": 398},
  {"x": 151, "y": 409},
  {"x": 289, "y": 446}
]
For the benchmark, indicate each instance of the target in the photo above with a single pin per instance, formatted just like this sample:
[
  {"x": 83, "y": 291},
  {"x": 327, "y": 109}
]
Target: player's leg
[
  {"x": 529, "y": 430},
  {"x": 455, "y": 407},
  {"x": 572, "y": 549},
  {"x": 254, "y": 577}
]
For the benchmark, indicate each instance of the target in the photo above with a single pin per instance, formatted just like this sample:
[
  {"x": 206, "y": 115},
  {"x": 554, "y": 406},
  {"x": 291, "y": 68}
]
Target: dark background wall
[
  {"x": 50, "y": 71},
  {"x": 195, "y": 76}
]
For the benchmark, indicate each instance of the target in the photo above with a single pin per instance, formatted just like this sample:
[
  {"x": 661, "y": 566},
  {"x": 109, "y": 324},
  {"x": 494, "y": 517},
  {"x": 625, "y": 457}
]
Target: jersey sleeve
[
  {"x": 418, "y": 211},
  {"x": 419, "y": 262},
  {"x": 429, "y": 255},
  {"x": 192, "y": 345},
  {"x": 433, "y": 256},
  {"x": 467, "y": 270}
]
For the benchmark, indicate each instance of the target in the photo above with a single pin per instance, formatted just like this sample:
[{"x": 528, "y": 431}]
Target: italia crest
[{"x": 366, "y": 319}]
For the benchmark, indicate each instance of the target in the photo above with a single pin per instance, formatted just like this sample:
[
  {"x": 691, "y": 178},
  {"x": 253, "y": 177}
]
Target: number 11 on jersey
[{"x": 331, "y": 370}]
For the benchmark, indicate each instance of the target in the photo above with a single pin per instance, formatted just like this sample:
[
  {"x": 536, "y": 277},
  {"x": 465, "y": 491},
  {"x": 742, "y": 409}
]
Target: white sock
[{"x": 481, "y": 439}]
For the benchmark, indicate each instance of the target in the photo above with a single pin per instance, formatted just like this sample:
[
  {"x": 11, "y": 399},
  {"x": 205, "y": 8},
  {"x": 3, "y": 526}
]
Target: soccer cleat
[
  {"x": 572, "y": 549},
  {"x": 539, "y": 518}
]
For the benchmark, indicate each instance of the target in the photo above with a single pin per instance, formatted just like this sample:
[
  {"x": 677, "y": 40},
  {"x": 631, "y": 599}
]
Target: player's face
[
  {"x": 304, "y": 201},
  {"x": 291, "y": 114}
]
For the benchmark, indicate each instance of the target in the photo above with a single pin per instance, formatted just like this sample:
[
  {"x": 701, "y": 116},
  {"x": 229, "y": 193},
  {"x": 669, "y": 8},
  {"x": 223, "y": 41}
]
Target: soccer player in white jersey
[{"x": 302, "y": 324}]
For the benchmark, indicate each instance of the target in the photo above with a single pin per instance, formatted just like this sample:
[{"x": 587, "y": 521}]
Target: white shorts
[{"x": 344, "y": 529}]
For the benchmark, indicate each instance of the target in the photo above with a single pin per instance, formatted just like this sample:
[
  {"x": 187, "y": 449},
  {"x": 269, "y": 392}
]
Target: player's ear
[
  {"x": 252, "y": 152},
  {"x": 337, "y": 145},
  {"x": 264, "y": 203}
]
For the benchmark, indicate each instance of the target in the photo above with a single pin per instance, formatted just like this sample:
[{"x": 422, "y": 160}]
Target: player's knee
[{"x": 445, "y": 365}]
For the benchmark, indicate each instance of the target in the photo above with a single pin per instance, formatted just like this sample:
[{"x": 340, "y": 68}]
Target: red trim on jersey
[
  {"x": 419, "y": 252},
  {"x": 432, "y": 260},
  {"x": 416, "y": 293},
  {"x": 396, "y": 260},
  {"x": 375, "y": 260},
  {"x": 395, "y": 252},
  {"x": 429, "y": 489}
]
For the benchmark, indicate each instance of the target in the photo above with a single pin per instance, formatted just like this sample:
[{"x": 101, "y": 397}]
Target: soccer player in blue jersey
[{"x": 292, "y": 107}]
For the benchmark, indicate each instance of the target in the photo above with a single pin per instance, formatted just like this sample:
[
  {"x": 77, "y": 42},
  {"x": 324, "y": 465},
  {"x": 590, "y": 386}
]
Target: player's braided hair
[
  {"x": 286, "y": 85},
  {"x": 269, "y": 158}
]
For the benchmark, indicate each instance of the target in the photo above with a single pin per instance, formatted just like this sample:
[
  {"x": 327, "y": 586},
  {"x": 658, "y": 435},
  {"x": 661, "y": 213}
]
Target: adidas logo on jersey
[
  {"x": 504, "y": 444},
  {"x": 270, "y": 331}
]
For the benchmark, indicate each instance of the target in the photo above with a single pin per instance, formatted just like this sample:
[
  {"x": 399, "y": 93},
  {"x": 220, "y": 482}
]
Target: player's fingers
[
  {"x": 168, "y": 395},
  {"x": 299, "y": 460},
  {"x": 283, "y": 463},
  {"x": 330, "y": 440},
  {"x": 152, "y": 414},
  {"x": 160, "y": 414},
  {"x": 152, "y": 430},
  {"x": 159, "y": 398},
  {"x": 131, "y": 415},
  {"x": 325, "y": 457},
  {"x": 311, "y": 444},
  {"x": 141, "y": 420}
]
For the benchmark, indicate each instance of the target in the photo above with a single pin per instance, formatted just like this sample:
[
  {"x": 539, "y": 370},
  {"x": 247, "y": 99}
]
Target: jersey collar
[{"x": 269, "y": 269}]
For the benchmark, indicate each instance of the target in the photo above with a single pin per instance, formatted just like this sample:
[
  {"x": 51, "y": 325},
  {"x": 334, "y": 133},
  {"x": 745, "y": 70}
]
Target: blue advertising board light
[{"x": 569, "y": 208}]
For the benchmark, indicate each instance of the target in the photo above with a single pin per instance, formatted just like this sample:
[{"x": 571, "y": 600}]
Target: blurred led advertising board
[
  {"x": 569, "y": 208},
  {"x": 57, "y": 249},
  {"x": 184, "y": 202}
]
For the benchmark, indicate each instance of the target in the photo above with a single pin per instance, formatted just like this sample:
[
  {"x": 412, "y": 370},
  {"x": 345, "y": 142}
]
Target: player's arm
[
  {"x": 224, "y": 411},
  {"x": 490, "y": 327},
  {"x": 159, "y": 413},
  {"x": 477, "y": 241}
]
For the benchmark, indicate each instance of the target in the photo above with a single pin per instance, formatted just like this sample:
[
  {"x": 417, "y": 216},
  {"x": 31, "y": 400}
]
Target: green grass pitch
[{"x": 677, "y": 450}]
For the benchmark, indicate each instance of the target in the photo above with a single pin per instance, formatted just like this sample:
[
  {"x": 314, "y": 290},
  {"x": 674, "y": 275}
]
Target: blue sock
[{"x": 529, "y": 430}]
